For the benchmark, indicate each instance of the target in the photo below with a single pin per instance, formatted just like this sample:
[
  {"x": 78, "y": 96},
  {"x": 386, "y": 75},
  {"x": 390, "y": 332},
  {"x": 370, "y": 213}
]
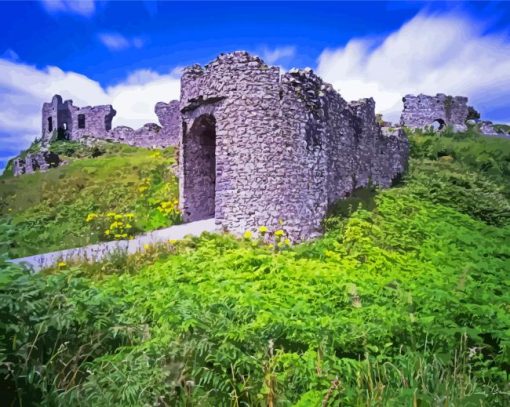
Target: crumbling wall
[
  {"x": 92, "y": 121},
  {"x": 149, "y": 135},
  {"x": 422, "y": 111},
  {"x": 169, "y": 117},
  {"x": 285, "y": 147},
  {"x": 40, "y": 161},
  {"x": 56, "y": 119},
  {"x": 62, "y": 120}
]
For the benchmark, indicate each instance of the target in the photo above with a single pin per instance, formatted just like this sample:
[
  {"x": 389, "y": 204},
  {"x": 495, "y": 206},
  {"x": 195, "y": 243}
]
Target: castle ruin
[
  {"x": 435, "y": 111},
  {"x": 63, "y": 120},
  {"x": 257, "y": 148},
  {"x": 263, "y": 149}
]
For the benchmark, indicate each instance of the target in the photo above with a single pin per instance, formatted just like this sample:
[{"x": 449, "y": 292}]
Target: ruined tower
[
  {"x": 261, "y": 149},
  {"x": 64, "y": 121}
]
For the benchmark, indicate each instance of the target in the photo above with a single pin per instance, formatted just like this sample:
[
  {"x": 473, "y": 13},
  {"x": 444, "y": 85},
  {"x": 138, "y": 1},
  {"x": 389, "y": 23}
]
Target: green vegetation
[
  {"x": 403, "y": 302},
  {"x": 49, "y": 211}
]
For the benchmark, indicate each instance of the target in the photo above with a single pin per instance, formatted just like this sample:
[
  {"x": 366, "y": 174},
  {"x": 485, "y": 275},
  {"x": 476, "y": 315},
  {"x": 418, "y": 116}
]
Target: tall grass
[{"x": 49, "y": 210}]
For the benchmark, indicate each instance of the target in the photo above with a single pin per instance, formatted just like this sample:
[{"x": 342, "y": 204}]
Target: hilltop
[
  {"x": 404, "y": 300},
  {"x": 105, "y": 191}
]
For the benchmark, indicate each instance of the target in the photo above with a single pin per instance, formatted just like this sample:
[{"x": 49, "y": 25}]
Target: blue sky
[{"x": 129, "y": 53}]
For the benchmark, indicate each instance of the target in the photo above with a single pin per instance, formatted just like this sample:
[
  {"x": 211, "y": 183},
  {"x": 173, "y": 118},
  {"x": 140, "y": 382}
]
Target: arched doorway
[{"x": 199, "y": 161}]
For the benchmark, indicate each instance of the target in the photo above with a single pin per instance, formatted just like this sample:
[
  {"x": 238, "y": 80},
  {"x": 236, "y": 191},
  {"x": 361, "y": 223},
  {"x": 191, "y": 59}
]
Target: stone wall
[
  {"x": 169, "y": 117},
  {"x": 91, "y": 121},
  {"x": 285, "y": 147},
  {"x": 422, "y": 111}
]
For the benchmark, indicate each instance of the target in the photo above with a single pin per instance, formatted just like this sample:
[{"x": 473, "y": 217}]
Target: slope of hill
[
  {"x": 404, "y": 301},
  {"x": 76, "y": 204}
]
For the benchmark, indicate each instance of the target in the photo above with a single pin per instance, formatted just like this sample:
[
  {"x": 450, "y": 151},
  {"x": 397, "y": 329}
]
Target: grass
[
  {"x": 403, "y": 302},
  {"x": 49, "y": 210}
]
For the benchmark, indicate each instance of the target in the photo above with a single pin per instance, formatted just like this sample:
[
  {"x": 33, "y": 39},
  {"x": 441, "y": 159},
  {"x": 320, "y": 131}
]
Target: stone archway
[
  {"x": 199, "y": 169},
  {"x": 438, "y": 124}
]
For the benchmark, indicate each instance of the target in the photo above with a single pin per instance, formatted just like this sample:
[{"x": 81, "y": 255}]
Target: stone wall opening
[
  {"x": 199, "y": 161},
  {"x": 107, "y": 123},
  {"x": 81, "y": 121},
  {"x": 438, "y": 124},
  {"x": 50, "y": 124}
]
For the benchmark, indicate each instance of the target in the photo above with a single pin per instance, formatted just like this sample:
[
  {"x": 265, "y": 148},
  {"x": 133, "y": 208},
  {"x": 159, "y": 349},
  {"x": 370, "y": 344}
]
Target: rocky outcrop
[{"x": 39, "y": 161}]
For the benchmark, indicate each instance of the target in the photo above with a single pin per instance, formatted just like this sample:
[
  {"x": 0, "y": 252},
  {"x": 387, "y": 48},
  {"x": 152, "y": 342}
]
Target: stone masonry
[
  {"x": 263, "y": 149},
  {"x": 423, "y": 111},
  {"x": 62, "y": 120}
]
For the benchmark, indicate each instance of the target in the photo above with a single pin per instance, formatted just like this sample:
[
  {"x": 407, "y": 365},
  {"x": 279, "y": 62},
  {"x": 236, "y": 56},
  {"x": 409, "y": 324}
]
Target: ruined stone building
[
  {"x": 62, "y": 120},
  {"x": 261, "y": 149},
  {"x": 441, "y": 110},
  {"x": 257, "y": 148}
]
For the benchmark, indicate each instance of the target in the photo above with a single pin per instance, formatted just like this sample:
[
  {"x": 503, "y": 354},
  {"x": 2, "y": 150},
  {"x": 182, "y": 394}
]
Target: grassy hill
[
  {"x": 403, "y": 302},
  {"x": 76, "y": 204}
]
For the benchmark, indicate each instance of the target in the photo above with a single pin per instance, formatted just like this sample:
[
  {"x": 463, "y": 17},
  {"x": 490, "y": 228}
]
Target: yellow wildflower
[
  {"x": 287, "y": 242},
  {"x": 91, "y": 217},
  {"x": 263, "y": 229},
  {"x": 279, "y": 233},
  {"x": 146, "y": 246},
  {"x": 247, "y": 235},
  {"x": 61, "y": 264}
]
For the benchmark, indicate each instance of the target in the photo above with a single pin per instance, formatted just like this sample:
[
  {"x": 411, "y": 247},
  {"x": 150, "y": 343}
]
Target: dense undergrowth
[
  {"x": 76, "y": 204},
  {"x": 405, "y": 301}
]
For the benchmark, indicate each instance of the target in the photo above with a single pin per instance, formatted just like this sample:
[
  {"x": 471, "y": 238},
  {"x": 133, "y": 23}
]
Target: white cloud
[
  {"x": 117, "y": 42},
  {"x": 25, "y": 88},
  {"x": 84, "y": 8},
  {"x": 10, "y": 54},
  {"x": 429, "y": 54},
  {"x": 272, "y": 56}
]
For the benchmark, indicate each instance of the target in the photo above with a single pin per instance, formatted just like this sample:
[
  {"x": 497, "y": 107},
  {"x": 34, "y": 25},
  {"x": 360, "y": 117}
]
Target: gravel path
[{"x": 99, "y": 251}]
